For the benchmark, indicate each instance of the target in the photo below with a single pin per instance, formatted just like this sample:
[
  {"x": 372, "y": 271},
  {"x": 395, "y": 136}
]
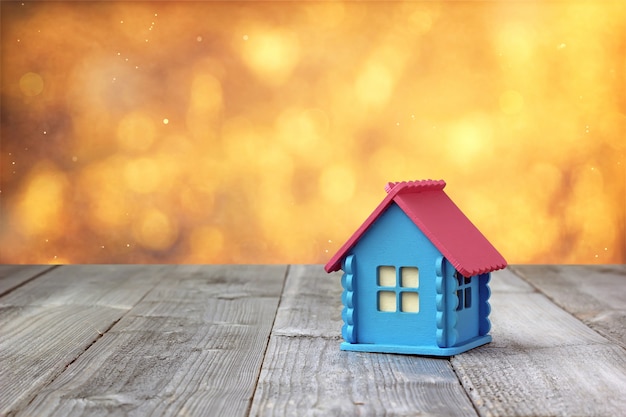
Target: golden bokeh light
[
  {"x": 40, "y": 204},
  {"x": 374, "y": 84},
  {"x": 511, "y": 102},
  {"x": 264, "y": 132},
  {"x": 271, "y": 53},
  {"x": 155, "y": 230},
  {"x": 135, "y": 132},
  {"x": 31, "y": 84}
]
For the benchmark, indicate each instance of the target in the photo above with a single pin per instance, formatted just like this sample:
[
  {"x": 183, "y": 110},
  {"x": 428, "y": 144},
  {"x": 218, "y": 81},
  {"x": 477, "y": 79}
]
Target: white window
[{"x": 398, "y": 289}]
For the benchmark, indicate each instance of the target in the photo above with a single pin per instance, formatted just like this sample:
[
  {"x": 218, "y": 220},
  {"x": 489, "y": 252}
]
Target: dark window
[{"x": 464, "y": 291}]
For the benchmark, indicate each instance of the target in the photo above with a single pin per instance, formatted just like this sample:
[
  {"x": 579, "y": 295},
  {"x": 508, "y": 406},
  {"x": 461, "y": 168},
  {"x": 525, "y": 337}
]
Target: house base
[{"x": 417, "y": 350}]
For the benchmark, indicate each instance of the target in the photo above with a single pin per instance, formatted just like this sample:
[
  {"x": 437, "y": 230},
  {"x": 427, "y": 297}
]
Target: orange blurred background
[{"x": 264, "y": 132}]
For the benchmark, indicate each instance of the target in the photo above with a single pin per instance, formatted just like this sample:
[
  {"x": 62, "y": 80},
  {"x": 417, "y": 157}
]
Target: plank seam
[
  {"x": 100, "y": 336},
  {"x": 21, "y": 284},
  {"x": 306, "y": 336},
  {"x": 54, "y": 377},
  {"x": 608, "y": 338},
  {"x": 466, "y": 390},
  {"x": 267, "y": 343}
]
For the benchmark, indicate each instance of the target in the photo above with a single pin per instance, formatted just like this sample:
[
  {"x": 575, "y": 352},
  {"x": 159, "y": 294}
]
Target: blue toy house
[{"x": 416, "y": 276}]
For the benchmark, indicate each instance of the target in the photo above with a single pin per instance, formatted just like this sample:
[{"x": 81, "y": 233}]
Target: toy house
[{"x": 416, "y": 276}]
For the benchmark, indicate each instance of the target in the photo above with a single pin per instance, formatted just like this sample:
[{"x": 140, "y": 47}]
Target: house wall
[{"x": 394, "y": 240}]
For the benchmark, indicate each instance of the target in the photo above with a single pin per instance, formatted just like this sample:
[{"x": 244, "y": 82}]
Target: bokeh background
[{"x": 264, "y": 132}]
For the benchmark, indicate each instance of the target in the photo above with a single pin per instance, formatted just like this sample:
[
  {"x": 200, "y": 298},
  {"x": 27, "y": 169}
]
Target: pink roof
[{"x": 436, "y": 215}]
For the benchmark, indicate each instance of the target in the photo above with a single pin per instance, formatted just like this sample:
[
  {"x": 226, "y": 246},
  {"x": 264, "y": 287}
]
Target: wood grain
[
  {"x": 505, "y": 280},
  {"x": 310, "y": 304},
  {"x": 193, "y": 346},
  {"x": 116, "y": 286},
  {"x": 50, "y": 321},
  {"x": 193, "y": 341},
  {"x": 596, "y": 294},
  {"x": 12, "y": 276},
  {"x": 306, "y": 374},
  {"x": 543, "y": 362}
]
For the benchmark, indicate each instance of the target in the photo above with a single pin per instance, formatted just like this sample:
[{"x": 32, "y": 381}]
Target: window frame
[
  {"x": 463, "y": 291},
  {"x": 406, "y": 281}
]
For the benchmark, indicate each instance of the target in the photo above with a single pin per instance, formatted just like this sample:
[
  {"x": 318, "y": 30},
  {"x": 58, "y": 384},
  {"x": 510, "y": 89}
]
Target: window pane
[
  {"x": 409, "y": 277},
  {"x": 387, "y": 276},
  {"x": 459, "y": 295},
  {"x": 387, "y": 301},
  {"x": 468, "y": 297},
  {"x": 410, "y": 302}
]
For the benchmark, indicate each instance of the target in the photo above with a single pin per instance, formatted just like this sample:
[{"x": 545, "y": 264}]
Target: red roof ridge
[
  {"x": 441, "y": 221},
  {"x": 414, "y": 186}
]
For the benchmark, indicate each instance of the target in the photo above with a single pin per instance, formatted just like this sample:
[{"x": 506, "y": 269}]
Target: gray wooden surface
[{"x": 168, "y": 340}]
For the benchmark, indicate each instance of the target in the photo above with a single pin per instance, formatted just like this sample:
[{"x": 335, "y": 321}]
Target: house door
[{"x": 467, "y": 308}]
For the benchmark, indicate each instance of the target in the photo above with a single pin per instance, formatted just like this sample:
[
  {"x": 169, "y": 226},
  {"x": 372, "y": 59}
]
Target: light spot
[
  {"x": 199, "y": 39},
  {"x": 374, "y": 84},
  {"x": 135, "y": 132},
  {"x": 337, "y": 183},
  {"x": 206, "y": 100},
  {"x": 166, "y": 121},
  {"x": 511, "y": 102},
  {"x": 31, "y": 84},
  {"x": 469, "y": 139},
  {"x": 206, "y": 93},
  {"x": 301, "y": 130},
  {"x": 143, "y": 175},
  {"x": 206, "y": 242},
  {"x": 421, "y": 20},
  {"x": 516, "y": 41},
  {"x": 155, "y": 230},
  {"x": 40, "y": 204},
  {"x": 271, "y": 54}
]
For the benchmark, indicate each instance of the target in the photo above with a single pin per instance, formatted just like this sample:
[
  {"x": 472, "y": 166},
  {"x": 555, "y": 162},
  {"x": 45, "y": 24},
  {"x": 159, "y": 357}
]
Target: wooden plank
[
  {"x": 506, "y": 281},
  {"x": 12, "y": 276},
  {"x": 193, "y": 347},
  {"x": 596, "y": 294},
  {"x": 311, "y": 304},
  {"x": 542, "y": 362},
  {"x": 306, "y": 373},
  {"x": 50, "y": 321},
  {"x": 117, "y": 286}
]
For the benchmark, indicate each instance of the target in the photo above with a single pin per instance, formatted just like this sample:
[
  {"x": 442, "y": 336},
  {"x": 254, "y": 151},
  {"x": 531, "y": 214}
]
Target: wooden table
[{"x": 264, "y": 340}]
